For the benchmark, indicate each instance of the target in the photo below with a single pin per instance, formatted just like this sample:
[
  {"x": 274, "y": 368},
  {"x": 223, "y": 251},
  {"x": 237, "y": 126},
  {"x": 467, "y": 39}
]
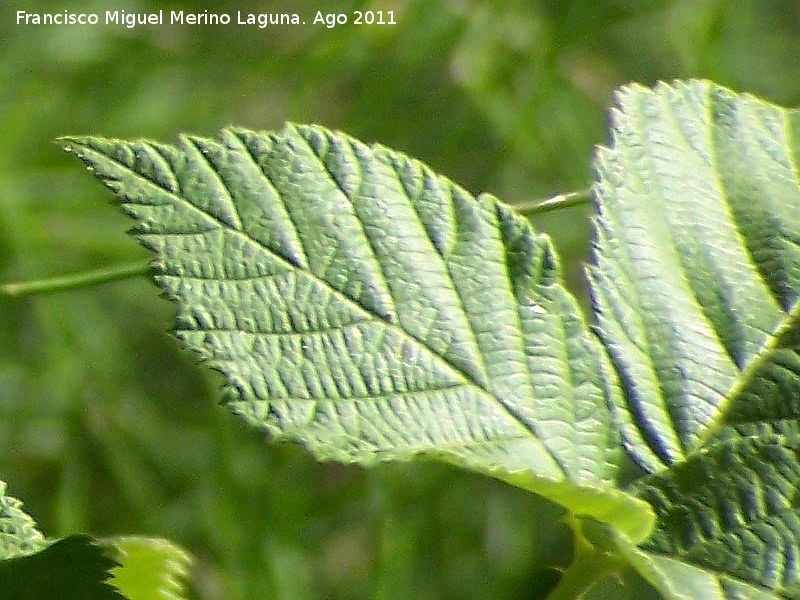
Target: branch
[{"x": 74, "y": 281}]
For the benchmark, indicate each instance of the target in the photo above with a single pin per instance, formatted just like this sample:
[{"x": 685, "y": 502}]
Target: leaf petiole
[
  {"x": 591, "y": 564},
  {"x": 558, "y": 202},
  {"x": 74, "y": 281}
]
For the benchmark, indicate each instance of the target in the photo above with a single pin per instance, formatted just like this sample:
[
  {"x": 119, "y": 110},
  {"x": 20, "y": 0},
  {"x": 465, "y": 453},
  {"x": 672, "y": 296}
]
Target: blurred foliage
[{"x": 107, "y": 427}]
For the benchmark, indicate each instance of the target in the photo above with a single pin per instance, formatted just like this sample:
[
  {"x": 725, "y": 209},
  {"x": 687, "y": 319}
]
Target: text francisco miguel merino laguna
[{"x": 176, "y": 17}]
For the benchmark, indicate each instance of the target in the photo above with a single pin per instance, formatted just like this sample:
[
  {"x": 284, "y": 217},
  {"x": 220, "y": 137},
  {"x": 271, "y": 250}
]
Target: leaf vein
[
  {"x": 267, "y": 180},
  {"x": 237, "y": 224}
]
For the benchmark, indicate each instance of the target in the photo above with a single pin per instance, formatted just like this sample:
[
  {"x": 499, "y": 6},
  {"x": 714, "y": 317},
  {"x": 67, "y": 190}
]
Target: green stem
[
  {"x": 555, "y": 203},
  {"x": 127, "y": 271},
  {"x": 74, "y": 281},
  {"x": 589, "y": 566}
]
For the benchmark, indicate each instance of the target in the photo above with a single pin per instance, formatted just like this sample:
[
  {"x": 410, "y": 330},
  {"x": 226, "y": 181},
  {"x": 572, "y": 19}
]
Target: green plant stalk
[
  {"x": 74, "y": 281},
  {"x": 589, "y": 566},
  {"x": 558, "y": 202}
]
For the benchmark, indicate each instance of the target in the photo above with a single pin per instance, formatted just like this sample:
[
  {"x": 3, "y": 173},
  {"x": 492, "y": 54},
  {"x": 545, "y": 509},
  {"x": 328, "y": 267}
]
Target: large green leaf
[
  {"x": 698, "y": 264},
  {"x": 369, "y": 308},
  {"x": 361, "y": 304},
  {"x": 695, "y": 286}
]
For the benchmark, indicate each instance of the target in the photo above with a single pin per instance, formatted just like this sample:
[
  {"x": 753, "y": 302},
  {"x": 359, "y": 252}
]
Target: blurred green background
[{"x": 107, "y": 427}]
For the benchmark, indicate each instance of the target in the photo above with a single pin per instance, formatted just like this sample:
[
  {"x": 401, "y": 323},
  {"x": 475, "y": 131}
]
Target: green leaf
[
  {"x": 697, "y": 269},
  {"x": 695, "y": 287},
  {"x": 731, "y": 509},
  {"x": 369, "y": 308},
  {"x": 149, "y": 569},
  {"x": 73, "y": 568},
  {"x": 18, "y": 533}
]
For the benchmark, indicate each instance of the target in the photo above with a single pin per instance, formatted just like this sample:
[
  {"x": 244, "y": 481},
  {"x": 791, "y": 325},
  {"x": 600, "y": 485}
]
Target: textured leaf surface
[
  {"x": 698, "y": 264},
  {"x": 149, "y": 569},
  {"x": 679, "y": 580},
  {"x": 371, "y": 309},
  {"x": 733, "y": 509},
  {"x": 695, "y": 287},
  {"x": 18, "y": 533}
]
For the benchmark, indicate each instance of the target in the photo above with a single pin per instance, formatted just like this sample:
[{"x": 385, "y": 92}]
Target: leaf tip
[{"x": 66, "y": 142}]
